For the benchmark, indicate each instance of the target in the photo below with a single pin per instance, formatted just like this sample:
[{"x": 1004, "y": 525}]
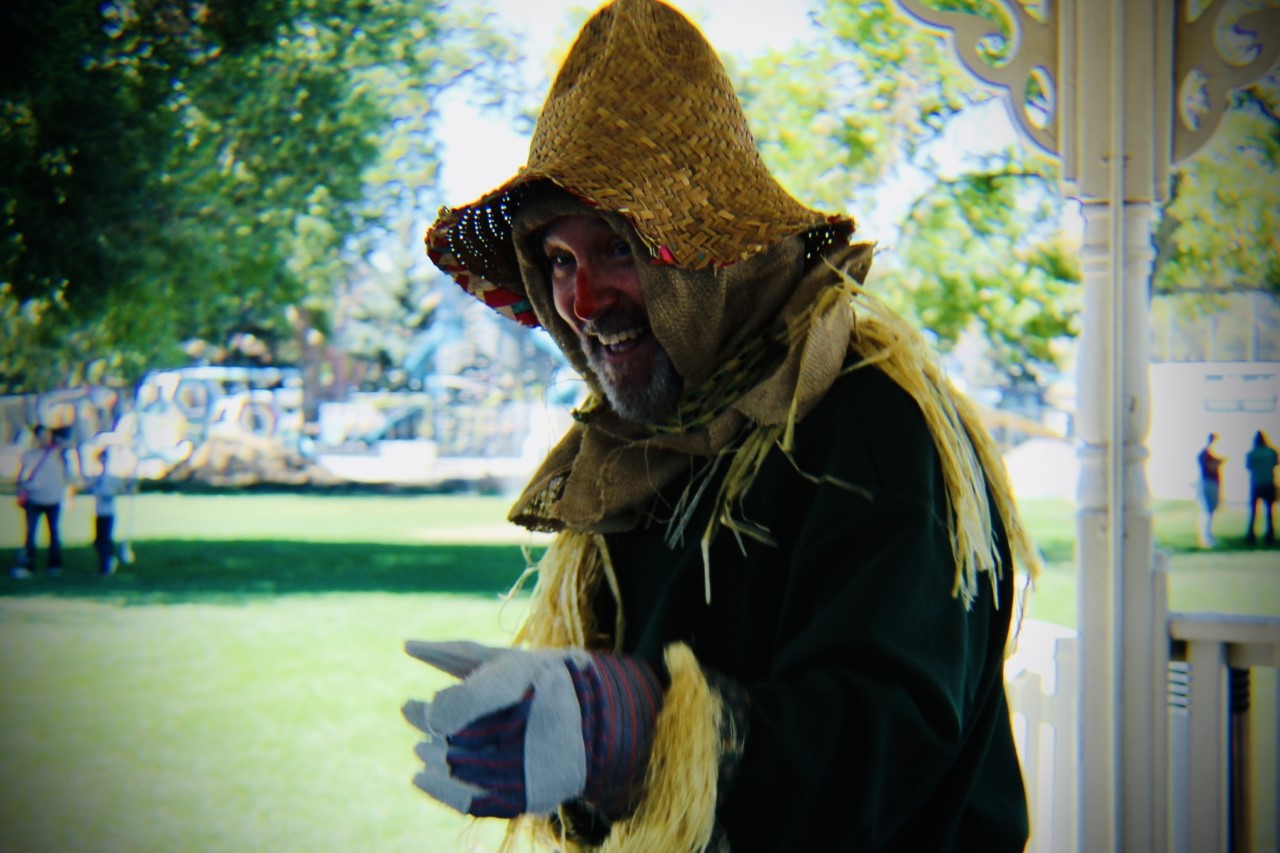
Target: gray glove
[{"x": 508, "y": 740}]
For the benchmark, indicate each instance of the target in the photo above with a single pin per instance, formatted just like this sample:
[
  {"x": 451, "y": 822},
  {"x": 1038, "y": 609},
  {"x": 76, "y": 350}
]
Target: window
[{"x": 1240, "y": 392}]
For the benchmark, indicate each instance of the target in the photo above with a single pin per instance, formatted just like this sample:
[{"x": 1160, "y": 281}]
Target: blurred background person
[
  {"x": 1209, "y": 490},
  {"x": 44, "y": 479},
  {"x": 1261, "y": 462},
  {"x": 104, "y": 488}
]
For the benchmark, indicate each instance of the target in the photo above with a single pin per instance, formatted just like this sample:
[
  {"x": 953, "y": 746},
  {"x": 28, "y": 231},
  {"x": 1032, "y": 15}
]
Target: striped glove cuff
[{"x": 620, "y": 698}]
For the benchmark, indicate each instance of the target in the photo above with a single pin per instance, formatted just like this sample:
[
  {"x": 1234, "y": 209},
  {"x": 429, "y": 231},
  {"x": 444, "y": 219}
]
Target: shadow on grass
[{"x": 176, "y": 571}]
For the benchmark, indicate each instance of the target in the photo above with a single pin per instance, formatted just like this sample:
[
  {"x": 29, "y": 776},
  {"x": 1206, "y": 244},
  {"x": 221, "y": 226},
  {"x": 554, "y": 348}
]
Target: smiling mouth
[
  {"x": 616, "y": 336},
  {"x": 618, "y": 342}
]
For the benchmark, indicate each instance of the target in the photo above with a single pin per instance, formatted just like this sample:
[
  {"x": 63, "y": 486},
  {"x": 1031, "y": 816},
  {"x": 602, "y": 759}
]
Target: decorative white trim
[
  {"x": 1204, "y": 76},
  {"x": 1033, "y": 56}
]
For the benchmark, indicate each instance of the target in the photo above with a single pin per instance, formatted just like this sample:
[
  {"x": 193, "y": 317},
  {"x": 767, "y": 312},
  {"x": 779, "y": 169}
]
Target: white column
[
  {"x": 1122, "y": 679},
  {"x": 1113, "y": 62}
]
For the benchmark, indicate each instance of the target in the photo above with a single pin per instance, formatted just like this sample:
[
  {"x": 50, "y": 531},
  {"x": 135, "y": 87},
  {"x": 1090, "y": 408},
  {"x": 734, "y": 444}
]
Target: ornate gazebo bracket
[
  {"x": 1117, "y": 91},
  {"x": 1206, "y": 75},
  {"x": 1032, "y": 61},
  {"x": 1199, "y": 61}
]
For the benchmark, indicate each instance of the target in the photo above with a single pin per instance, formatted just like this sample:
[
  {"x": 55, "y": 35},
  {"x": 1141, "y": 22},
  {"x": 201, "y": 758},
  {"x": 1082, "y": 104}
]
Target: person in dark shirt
[
  {"x": 776, "y": 608},
  {"x": 1261, "y": 462}
]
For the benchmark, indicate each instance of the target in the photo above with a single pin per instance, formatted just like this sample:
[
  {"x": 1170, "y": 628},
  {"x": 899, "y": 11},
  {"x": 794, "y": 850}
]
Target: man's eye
[
  {"x": 622, "y": 249},
  {"x": 559, "y": 260}
]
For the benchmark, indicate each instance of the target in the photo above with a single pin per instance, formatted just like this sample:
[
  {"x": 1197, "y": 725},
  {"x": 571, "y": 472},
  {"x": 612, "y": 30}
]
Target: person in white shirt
[{"x": 43, "y": 479}]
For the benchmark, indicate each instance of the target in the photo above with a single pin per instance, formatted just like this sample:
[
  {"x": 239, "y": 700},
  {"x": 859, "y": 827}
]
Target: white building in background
[{"x": 1189, "y": 400}]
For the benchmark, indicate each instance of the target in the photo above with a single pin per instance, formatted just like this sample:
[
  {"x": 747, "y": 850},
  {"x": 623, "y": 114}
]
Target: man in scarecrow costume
[{"x": 775, "y": 612}]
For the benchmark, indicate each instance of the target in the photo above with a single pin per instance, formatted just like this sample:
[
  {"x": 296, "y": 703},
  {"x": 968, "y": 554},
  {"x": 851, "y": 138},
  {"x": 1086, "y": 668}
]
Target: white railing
[
  {"x": 1042, "y": 679},
  {"x": 1212, "y": 802},
  {"x": 1212, "y": 795}
]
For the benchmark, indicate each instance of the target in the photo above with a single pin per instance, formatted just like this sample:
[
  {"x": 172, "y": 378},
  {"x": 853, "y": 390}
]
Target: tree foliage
[
  {"x": 1218, "y": 232},
  {"x": 177, "y": 172},
  {"x": 873, "y": 102},
  {"x": 868, "y": 112}
]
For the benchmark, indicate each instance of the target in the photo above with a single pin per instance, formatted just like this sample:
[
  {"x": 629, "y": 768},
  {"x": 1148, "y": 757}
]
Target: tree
[
  {"x": 78, "y": 133},
  {"x": 176, "y": 172},
  {"x": 873, "y": 104},
  {"x": 873, "y": 101},
  {"x": 1218, "y": 232}
]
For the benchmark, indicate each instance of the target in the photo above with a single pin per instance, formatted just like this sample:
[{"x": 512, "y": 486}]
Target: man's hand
[{"x": 528, "y": 730}]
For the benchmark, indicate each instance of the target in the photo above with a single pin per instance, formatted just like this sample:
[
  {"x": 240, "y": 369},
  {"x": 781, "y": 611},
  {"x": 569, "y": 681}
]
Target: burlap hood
[{"x": 728, "y": 333}]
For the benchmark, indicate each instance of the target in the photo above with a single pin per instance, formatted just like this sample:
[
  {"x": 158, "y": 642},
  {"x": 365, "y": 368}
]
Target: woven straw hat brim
[{"x": 642, "y": 120}]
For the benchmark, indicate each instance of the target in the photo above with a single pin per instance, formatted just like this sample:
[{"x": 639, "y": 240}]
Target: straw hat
[{"x": 642, "y": 120}]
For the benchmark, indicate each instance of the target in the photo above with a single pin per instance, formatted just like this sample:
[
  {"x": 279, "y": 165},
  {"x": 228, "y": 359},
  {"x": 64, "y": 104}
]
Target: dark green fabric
[{"x": 878, "y": 715}]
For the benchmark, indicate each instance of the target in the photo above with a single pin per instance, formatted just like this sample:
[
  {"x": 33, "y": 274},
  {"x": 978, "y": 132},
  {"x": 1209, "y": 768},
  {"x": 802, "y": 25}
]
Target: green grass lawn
[{"x": 238, "y": 686}]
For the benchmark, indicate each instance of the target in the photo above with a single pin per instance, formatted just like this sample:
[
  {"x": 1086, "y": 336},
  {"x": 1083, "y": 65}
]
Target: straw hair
[{"x": 643, "y": 120}]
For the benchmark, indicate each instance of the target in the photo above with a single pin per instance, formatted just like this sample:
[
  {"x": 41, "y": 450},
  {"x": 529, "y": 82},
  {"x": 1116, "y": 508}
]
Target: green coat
[{"x": 878, "y": 718}]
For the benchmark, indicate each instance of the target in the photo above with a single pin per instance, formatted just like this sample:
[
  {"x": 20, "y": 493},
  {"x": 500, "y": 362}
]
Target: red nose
[{"x": 591, "y": 293}]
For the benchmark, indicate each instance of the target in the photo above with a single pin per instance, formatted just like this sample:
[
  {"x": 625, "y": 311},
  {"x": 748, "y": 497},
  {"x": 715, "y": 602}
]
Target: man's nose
[{"x": 592, "y": 292}]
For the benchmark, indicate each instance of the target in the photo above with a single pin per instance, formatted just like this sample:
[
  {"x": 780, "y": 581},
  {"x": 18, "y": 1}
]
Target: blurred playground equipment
[
  {"x": 240, "y": 425},
  {"x": 169, "y": 420}
]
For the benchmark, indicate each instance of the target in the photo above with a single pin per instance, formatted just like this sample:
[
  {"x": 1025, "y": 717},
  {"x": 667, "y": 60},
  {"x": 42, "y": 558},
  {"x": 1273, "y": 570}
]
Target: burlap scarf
[{"x": 726, "y": 333}]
